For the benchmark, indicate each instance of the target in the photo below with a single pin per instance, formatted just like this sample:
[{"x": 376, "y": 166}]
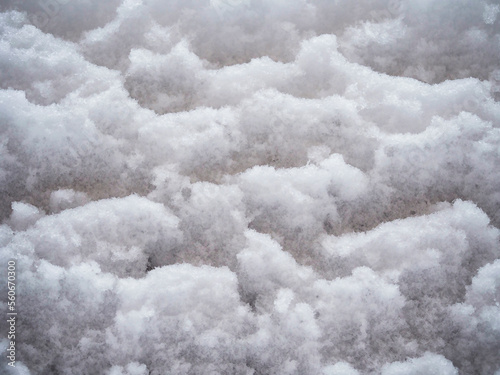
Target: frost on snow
[{"x": 251, "y": 187}]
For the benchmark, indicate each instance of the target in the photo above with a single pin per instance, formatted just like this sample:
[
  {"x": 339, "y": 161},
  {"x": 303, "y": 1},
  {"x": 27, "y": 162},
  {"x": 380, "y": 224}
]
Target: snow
[{"x": 251, "y": 187}]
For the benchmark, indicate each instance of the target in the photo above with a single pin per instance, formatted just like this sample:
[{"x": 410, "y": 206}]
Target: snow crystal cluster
[{"x": 305, "y": 187}]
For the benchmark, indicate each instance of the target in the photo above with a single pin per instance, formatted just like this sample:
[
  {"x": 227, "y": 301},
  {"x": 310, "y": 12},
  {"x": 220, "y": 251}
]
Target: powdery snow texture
[{"x": 251, "y": 187}]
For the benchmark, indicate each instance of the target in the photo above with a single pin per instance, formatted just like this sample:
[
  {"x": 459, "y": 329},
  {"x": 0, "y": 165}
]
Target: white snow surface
[{"x": 251, "y": 186}]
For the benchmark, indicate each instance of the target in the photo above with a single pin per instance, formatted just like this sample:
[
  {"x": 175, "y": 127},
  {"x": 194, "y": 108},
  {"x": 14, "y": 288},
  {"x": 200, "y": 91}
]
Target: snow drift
[{"x": 252, "y": 187}]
